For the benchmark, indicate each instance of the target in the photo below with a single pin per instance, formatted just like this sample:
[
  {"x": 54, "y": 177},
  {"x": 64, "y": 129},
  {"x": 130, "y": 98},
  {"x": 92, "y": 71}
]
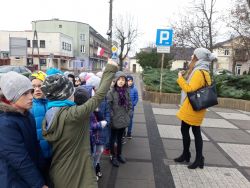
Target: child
[
  {"x": 134, "y": 99},
  {"x": 120, "y": 112}
]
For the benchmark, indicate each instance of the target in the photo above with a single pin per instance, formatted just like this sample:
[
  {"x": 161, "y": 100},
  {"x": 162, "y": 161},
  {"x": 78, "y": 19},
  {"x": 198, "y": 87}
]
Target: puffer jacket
[
  {"x": 20, "y": 155},
  {"x": 133, "y": 95}
]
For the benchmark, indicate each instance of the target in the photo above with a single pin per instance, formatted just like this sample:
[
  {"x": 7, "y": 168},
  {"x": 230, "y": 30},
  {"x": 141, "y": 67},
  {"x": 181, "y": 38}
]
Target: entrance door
[{"x": 134, "y": 68}]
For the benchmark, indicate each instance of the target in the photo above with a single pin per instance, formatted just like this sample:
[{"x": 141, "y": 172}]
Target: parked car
[
  {"x": 19, "y": 69},
  {"x": 223, "y": 71}
]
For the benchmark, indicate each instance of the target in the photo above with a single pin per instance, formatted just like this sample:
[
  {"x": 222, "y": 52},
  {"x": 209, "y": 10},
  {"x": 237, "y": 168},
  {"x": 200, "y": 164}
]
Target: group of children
[{"x": 73, "y": 116}]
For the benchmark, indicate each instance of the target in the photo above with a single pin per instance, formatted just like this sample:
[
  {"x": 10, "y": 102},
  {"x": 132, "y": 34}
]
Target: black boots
[
  {"x": 199, "y": 162},
  {"x": 185, "y": 157},
  {"x": 114, "y": 161}
]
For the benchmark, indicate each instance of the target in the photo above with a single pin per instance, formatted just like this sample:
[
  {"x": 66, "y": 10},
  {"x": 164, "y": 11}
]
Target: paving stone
[
  {"x": 106, "y": 169},
  {"x": 211, "y": 114},
  {"x": 172, "y": 131},
  {"x": 173, "y": 149},
  {"x": 163, "y": 119},
  {"x": 171, "y": 106},
  {"x": 136, "y": 171},
  {"x": 242, "y": 124},
  {"x": 139, "y": 129},
  {"x": 248, "y": 131},
  {"x": 248, "y": 172},
  {"x": 127, "y": 183},
  {"x": 219, "y": 123},
  {"x": 216, "y": 109},
  {"x": 162, "y": 111},
  {"x": 244, "y": 112},
  {"x": 209, "y": 177},
  {"x": 236, "y": 116},
  {"x": 137, "y": 148},
  {"x": 228, "y": 135},
  {"x": 238, "y": 152},
  {"x": 139, "y": 110},
  {"x": 139, "y": 118}
]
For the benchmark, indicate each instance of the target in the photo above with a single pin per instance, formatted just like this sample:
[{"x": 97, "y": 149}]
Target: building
[
  {"x": 55, "y": 49},
  {"x": 86, "y": 41},
  {"x": 134, "y": 66},
  {"x": 181, "y": 57},
  {"x": 231, "y": 54}
]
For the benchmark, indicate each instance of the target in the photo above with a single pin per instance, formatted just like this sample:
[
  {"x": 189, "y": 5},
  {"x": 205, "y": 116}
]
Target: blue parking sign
[{"x": 164, "y": 37}]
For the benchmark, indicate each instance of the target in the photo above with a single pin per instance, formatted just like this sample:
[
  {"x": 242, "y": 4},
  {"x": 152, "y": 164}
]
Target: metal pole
[{"x": 162, "y": 62}]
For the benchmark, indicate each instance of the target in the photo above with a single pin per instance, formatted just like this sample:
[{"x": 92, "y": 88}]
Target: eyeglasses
[{"x": 37, "y": 86}]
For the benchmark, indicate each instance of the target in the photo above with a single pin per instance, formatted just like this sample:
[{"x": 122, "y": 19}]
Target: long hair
[{"x": 191, "y": 67}]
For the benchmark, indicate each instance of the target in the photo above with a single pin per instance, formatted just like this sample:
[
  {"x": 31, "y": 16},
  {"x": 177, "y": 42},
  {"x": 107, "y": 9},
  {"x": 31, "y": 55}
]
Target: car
[
  {"x": 19, "y": 69},
  {"x": 223, "y": 71}
]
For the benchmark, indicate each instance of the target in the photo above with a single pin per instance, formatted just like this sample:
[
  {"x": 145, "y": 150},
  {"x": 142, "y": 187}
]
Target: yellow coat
[{"x": 186, "y": 112}]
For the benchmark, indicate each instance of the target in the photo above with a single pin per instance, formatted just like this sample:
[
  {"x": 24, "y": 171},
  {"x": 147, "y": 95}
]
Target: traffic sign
[
  {"x": 164, "y": 37},
  {"x": 163, "y": 49}
]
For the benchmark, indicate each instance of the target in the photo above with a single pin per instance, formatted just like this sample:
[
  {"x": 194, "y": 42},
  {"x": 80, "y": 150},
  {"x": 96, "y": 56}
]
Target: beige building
[
  {"x": 134, "y": 66},
  {"x": 232, "y": 52},
  {"x": 55, "y": 49}
]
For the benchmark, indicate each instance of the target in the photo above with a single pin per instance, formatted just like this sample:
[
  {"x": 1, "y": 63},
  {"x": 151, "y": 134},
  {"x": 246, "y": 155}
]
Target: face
[
  {"x": 71, "y": 79},
  {"x": 130, "y": 83},
  {"x": 78, "y": 82},
  {"x": 121, "y": 82},
  {"x": 24, "y": 103},
  {"x": 38, "y": 94}
]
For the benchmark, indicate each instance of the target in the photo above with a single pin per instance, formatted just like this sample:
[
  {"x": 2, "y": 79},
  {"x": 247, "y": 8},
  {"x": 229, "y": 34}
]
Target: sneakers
[
  {"x": 124, "y": 141},
  {"x": 121, "y": 159},
  {"x": 114, "y": 161},
  {"x": 106, "y": 152},
  {"x": 129, "y": 136}
]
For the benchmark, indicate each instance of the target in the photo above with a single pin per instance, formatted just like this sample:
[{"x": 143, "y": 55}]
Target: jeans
[{"x": 130, "y": 124}]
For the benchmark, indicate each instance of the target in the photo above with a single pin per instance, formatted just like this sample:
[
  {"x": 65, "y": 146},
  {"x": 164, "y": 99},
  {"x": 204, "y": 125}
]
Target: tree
[
  {"x": 153, "y": 59},
  {"x": 125, "y": 33}
]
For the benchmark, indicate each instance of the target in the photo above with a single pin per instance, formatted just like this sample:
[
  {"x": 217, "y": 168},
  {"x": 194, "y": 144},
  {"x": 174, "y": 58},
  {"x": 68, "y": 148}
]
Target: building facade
[
  {"x": 49, "y": 50},
  {"x": 86, "y": 41}
]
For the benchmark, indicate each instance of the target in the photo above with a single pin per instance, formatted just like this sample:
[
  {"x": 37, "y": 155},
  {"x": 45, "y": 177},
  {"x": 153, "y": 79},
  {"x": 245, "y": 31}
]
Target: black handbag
[{"x": 204, "y": 97}]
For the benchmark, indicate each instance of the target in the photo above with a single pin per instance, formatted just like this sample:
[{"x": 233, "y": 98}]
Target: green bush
[{"x": 227, "y": 85}]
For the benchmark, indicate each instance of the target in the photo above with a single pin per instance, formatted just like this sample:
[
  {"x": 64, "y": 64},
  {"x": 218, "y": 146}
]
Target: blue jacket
[
  {"x": 20, "y": 158},
  {"x": 39, "y": 109},
  {"x": 133, "y": 95}
]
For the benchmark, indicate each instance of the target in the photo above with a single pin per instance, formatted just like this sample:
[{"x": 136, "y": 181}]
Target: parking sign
[{"x": 164, "y": 37}]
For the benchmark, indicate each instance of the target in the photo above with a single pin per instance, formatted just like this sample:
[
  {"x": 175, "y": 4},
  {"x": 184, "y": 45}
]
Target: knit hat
[
  {"x": 40, "y": 75},
  {"x": 129, "y": 77},
  {"x": 53, "y": 71},
  {"x": 57, "y": 87},
  {"x": 204, "y": 54},
  {"x": 119, "y": 74},
  {"x": 14, "y": 85},
  {"x": 93, "y": 81},
  {"x": 81, "y": 95}
]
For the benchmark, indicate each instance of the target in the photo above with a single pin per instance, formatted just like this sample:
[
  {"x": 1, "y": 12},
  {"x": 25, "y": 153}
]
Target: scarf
[
  {"x": 199, "y": 65},
  {"x": 60, "y": 103},
  {"x": 122, "y": 97}
]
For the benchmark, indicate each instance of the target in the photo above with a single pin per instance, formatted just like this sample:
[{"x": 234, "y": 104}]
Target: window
[
  {"x": 34, "y": 43},
  {"x": 28, "y": 43},
  {"x": 238, "y": 69},
  {"x": 82, "y": 49},
  {"x": 60, "y": 26},
  {"x": 42, "y": 43},
  {"x": 66, "y": 46},
  {"x": 43, "y": 62},
  {"x": 82, "y": 37},
  {"x": 226, "y": 52}
]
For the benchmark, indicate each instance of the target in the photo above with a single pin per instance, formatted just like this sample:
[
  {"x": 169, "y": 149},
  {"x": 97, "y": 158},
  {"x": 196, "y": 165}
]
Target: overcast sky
[{"x": 149, "y": 14}]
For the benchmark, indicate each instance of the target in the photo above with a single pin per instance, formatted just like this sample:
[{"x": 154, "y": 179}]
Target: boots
[
  {"x": 114, "y": 161},
  {"x": 185, "y": 157},
  {"x": 98, "y": 170},
  {"x": 199, "y": 162}
]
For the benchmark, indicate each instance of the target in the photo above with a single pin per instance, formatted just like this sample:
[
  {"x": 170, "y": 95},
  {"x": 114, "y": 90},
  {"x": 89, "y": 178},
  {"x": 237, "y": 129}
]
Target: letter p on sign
[{"x": 164, "y": 37}]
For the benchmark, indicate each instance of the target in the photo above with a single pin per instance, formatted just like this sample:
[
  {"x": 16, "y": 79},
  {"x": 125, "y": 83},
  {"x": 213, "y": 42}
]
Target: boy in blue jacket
[{"x": 134, "y": 98}]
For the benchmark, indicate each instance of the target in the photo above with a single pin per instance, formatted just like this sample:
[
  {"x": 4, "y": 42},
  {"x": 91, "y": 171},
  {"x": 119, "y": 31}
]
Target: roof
[{"x": 182, "y": 53}]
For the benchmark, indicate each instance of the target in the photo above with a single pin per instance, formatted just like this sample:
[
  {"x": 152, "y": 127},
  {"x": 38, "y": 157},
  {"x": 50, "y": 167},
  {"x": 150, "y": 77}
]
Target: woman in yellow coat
[{"x": 193, "y": 81}]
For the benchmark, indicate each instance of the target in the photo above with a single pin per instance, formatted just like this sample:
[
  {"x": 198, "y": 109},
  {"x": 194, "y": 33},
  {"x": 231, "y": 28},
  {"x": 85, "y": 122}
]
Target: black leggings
[
  {"x": 116, "y": 136},
  {"x": 186, "y": 138}
]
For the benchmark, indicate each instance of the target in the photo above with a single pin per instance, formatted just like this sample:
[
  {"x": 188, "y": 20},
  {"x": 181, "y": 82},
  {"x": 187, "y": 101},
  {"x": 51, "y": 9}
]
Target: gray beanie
[
  {"x": 57, "y": 87},
  {"x": 120, "y": 74},
  {"x": 204, "y": 54},
  {"x": 14, "y": 85}
]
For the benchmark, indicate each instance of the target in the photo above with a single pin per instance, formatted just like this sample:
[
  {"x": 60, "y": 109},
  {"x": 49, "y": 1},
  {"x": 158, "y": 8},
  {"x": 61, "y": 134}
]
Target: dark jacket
[
  {"x": 19, "y": 150},
  {"x": 39, "y": 109},
  {"x": 119, "y": 115}
]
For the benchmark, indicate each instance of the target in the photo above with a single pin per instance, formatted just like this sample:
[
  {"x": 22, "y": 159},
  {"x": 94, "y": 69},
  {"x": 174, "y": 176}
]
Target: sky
[{"x": 148, "y": 15}]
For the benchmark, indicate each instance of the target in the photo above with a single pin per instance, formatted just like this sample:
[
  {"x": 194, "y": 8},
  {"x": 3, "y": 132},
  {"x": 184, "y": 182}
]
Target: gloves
[{"x": 103, "y": 123}]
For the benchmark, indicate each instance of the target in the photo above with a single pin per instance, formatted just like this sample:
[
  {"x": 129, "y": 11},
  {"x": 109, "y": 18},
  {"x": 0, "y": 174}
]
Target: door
[{"x": 134, "y": 68}]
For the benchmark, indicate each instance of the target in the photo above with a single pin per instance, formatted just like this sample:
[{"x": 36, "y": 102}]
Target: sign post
[{"x": 164, "y": 39}]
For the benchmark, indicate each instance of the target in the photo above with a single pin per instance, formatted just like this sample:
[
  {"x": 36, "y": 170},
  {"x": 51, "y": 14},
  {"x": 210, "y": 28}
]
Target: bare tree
[{"x": 126, "y": 33}]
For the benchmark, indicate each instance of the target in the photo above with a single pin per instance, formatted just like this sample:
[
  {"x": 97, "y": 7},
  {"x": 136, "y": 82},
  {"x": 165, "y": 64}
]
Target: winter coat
[
  {"x": 133, "y": 95},
  {"x": 39, "y": 109},
  {"x": 97, "y": 135},
  {"x": 68, "y": 134},
  {"x": 119, "y": 115},
  {"x": 186, "y": 112},
  {"x": 20, "y": 155}
]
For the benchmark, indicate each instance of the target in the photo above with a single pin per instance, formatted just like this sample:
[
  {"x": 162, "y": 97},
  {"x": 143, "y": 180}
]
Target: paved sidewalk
[{"x": 157, "y": 140}]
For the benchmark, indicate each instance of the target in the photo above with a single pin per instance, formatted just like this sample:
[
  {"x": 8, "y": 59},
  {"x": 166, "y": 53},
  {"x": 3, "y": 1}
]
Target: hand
[
  {"x": 180, "y": 73},
  {"x": 103, "y": 123},
  {"x": 112, "y": 62}
]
